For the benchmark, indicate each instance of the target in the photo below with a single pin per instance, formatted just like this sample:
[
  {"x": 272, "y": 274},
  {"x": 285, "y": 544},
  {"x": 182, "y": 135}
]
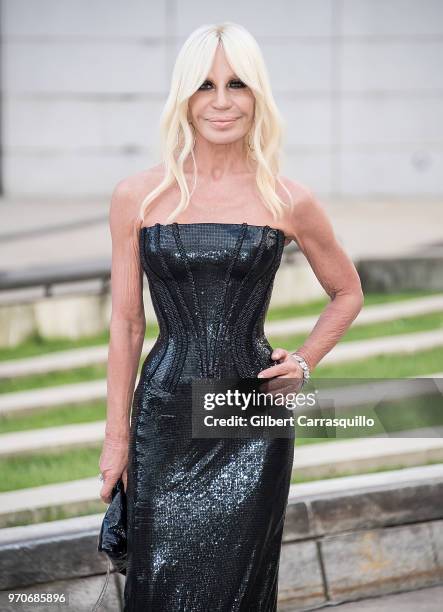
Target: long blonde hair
[{"x": 191, "y": 68}]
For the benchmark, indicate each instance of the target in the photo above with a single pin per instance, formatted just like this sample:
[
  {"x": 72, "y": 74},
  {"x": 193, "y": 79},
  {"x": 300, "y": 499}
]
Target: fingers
[
  {"x": 279, "y": 353},
  {"x": 125, "y": 479},
  {"x": 113, "y": 461},
  {"x": 107, "y": 487},
  {"x": 276, "y": 355},
  {"x": 288, "y": 365},
  {"x": 276, "y": 370}
]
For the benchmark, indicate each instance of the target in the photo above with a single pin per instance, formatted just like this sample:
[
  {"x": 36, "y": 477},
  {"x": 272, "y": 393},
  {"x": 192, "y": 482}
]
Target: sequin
[{"x": 205, "y": 516}]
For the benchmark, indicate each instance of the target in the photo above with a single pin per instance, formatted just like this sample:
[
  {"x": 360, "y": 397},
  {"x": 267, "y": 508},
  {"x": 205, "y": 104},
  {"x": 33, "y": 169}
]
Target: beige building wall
[{"x": 359, "y": 83}]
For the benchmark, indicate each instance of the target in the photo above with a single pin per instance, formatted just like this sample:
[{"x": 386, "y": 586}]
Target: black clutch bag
[
  {"x": 113, "y": 533},
  {"x": 112, "y": 538}
]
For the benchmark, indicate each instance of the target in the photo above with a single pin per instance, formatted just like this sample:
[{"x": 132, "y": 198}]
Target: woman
[{"x": 205, "y": 516}]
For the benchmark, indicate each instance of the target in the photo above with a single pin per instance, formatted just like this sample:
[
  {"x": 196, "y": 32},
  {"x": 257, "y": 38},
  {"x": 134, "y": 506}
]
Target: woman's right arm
[{"x": 127, "y": 333}]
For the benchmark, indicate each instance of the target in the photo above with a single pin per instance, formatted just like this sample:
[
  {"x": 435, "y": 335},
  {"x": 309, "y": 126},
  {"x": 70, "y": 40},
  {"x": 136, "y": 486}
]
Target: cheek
[
  {"x": 247, "y": 105},
  {"x": 199, "y": 111},
  {"x": 195, "y": 107},
  {"x": 191, "y": 110}
]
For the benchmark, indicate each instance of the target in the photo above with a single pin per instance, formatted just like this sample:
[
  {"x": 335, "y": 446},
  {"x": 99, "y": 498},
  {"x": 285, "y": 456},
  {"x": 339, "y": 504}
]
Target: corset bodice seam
[{"x": 256, "y": 281}]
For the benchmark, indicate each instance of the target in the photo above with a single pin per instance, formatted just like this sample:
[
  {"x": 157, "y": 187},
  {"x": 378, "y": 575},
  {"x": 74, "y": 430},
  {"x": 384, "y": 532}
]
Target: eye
[
  {"x": 203, "y": 85},
  {"x": 237, "y": 84},
  {"x": 234, "y": 83}
]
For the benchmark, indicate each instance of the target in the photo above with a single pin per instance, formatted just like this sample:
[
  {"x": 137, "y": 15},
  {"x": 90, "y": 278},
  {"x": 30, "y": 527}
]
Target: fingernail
[{"x": 259, "y": 376}]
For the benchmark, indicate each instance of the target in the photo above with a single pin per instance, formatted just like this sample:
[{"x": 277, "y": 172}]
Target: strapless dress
[{"x": 205, "y": 516}]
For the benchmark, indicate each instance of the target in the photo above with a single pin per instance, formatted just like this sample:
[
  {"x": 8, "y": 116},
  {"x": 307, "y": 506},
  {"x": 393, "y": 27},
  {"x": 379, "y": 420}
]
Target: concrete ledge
[
  {"x": 50, "y": 551},
  {"x": 364, "y": 502},
  {"x": 87, "y": 313},
  {"x": 356, "y": 539},
  {"x": 381, "y": 560},
  {"x": 405, "y": 273}
]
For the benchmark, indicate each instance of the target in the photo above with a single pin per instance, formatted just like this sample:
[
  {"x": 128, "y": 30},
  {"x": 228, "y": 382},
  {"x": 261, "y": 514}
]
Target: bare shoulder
[
  {"x": 306, "y": 213},
  {"x": 301, "y": 195},
  {"x": 129, "y": 192},
  {"x": 135, "y": 185}
]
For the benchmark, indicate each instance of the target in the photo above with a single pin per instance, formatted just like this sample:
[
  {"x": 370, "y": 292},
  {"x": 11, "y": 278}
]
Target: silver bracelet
[{"x": 304, "y": 366}]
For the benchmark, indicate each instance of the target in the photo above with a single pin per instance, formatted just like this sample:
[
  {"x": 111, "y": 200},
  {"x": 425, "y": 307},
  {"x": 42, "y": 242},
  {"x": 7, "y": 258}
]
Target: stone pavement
[{"x": 428, "y": 599}]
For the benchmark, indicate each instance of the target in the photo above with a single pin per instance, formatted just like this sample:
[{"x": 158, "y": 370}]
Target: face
[{"x": 222, "y": 109}]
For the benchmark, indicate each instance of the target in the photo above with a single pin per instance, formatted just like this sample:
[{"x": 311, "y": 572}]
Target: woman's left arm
[
  {"x": 314, "y": 234},
  {"x": 335, "y": 272}
]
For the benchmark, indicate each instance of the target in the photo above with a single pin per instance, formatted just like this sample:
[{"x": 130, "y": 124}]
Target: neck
[{"x": 217, "y": 161}]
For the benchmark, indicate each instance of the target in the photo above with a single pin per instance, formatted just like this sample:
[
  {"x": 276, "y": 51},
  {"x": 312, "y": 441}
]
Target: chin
[{"x": 222, "y": 138}]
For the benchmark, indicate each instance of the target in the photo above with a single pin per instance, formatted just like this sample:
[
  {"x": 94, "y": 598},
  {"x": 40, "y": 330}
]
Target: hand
[
  {"x": 113, "y": 465},
  {"x": 287, "y": 368}
]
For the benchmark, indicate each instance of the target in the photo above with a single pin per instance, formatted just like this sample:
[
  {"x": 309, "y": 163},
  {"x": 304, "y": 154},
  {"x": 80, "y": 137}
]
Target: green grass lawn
[
  {"x": 389, "y": 416},
  {"x": 53, "y": 379},
  {"x": 57, "y": 416},
  {"x": 402, "y": 325},
  {"x": 46, "y": 468},
  {"x": 98, "y": 371},
  {"x": 97, "y": 506},
  {"x": 315, "y": 307},
  {"x": 36, "y": 345},
  {"x": 385, "y": 366},
  {"x": 49, "y": 467}
]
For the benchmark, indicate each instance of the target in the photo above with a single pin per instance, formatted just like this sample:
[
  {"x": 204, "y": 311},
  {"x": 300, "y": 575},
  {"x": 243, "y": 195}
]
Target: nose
[{"x": 222, "y": 98}]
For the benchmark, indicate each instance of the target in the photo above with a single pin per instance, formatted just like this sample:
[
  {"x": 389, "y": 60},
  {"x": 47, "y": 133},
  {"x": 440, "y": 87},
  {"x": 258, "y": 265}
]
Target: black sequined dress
[{"x": 205, "y": 516}]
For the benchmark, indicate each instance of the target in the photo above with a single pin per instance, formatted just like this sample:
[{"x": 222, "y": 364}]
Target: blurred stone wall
[{"x": 357, "y": 81}]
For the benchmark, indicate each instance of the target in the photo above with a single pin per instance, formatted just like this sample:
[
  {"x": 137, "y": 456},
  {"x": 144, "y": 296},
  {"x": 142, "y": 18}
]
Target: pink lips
[{"x": 222, "y": 122}]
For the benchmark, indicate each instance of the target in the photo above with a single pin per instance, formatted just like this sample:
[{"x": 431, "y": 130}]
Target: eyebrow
[{"x": 231, "y": 76}]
